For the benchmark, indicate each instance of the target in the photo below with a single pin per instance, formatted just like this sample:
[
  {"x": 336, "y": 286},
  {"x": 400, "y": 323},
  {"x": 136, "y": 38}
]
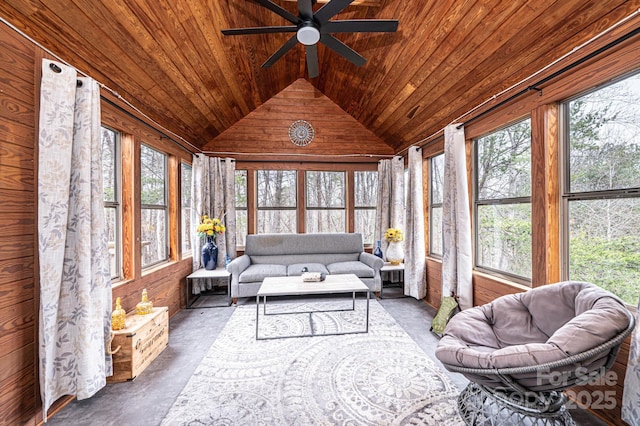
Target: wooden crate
[{"x": 144, "y": 338}]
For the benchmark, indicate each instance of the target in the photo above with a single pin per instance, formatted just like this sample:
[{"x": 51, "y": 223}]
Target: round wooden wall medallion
[{"x": 301, "y": 133}]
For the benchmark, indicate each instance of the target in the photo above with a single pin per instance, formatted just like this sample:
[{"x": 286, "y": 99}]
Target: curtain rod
[
  {"x": 553, "y": 75},
  {"x": 135, "y": 117},
  {"x": 113, "y": 92}
]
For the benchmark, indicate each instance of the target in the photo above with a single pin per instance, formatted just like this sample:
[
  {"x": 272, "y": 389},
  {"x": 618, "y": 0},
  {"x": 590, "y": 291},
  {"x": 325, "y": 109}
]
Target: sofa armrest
[
  {"x": 371, "y": 260},
  {"x": 239, "y": 264},
  {"x": 235, "y": 268}
]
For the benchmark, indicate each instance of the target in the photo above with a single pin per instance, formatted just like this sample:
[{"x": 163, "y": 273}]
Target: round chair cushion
[{"x": 542, "y": 325}]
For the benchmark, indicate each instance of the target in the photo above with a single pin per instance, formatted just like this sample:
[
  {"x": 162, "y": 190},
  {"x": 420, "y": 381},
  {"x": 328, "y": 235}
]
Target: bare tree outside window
[
  {"x": 110, "y": 186},
  {"x": 366, "y": 194},
  {"x": 602, "y": 188},
  {"x": 326, "y": 206},
  {"x": 435, "y": 205},
  {"x": 241, "y": 207},
  {"x": 185, "y": 197},
  {"x": 153, "y": 199},
  {"x": 503, "y": 201},
  {"x": 277, "y": 203}
]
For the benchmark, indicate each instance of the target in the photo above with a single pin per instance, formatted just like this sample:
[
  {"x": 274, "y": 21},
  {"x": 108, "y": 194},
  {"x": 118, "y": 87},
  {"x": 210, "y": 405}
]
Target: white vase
[{"x": 395, "y": 253}]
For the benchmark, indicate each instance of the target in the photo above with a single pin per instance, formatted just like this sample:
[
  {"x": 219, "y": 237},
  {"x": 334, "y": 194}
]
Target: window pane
[
  {"x": 604, "y": 138},
  {"x": 504, "y": 238},
  {"x": 276, "y": 188},
  {"x": 277, "y": 221},
  {"x": 185, "y": 191},
  {"x": 325, "y": 189},
  {"x": 109, "y": 164},
  {"x": 435, "y": 233},
  {"x": 437, "y": 178},
  {"x": 365, "y": 224},
  {"x": 241, "y": 188},
  {"x": 152, "y": 179},
  {"x": 154, "y": 236},
  {"x": 241, "y": 227},
  {"x": 504, "y": 163},
  {"x": 604, "y": 245},
  {"x": 323, "y": 221},
  {"x": 111, "y": 216},
  {"x": 366, "y": 189}
]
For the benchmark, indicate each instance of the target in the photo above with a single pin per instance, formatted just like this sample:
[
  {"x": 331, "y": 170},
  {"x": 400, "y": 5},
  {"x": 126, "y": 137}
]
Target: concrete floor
[{"x": 146, "y": 400}]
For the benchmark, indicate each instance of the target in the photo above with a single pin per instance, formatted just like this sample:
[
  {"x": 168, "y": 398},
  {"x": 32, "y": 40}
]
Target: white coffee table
[{"x": 294, "y": 286}]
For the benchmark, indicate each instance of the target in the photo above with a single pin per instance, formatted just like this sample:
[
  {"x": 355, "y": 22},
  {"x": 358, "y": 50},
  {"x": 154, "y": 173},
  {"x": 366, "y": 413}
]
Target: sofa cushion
[
  {"x": 261, "y": 271},
  {"x": 296, "y": 268},
  {"x": 353, "y": 267},
  {"x": 287, "y": 244}
]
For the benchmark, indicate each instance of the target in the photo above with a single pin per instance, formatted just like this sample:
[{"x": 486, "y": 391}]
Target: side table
[
  {"x": 388, "y": 267},
  {"x": 202, "y": 274}
]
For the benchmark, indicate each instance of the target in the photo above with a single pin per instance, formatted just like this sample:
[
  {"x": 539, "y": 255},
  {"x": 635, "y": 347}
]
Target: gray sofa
[{"x": 276, "y": 255}]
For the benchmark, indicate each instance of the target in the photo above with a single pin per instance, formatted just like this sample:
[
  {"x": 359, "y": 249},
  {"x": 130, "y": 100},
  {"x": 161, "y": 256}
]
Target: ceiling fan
[{"x": 311, "y": 28}]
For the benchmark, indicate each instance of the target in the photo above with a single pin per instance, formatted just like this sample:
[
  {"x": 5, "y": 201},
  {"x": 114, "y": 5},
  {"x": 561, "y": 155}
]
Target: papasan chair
[{"x": 521, "y": 351}]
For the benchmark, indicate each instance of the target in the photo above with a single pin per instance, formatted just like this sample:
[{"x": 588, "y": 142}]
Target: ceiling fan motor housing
[{"x": 308, "y": 34}]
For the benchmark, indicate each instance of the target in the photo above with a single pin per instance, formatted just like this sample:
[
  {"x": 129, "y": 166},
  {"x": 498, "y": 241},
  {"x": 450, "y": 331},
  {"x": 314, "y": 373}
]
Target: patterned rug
[{"x": 379, "y": 378}]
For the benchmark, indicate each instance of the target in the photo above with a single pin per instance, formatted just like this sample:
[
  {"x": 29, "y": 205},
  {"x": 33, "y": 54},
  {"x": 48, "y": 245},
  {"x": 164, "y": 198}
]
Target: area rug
[{"x": 379, "y": 378}]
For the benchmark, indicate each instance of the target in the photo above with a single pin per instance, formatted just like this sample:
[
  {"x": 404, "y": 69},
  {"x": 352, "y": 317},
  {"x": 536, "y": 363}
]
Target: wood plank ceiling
[{"x": 169, "y": 58}]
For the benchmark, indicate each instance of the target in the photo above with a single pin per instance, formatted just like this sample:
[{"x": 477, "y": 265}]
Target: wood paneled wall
[
  {"x": 265, "y": 130},
  {"x": 19, "y": 302}
]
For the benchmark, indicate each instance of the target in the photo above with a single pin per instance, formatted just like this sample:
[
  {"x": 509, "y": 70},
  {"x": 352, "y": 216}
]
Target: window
[
  {"x": 502, "y": 204},
  {"x": 601, "y": 188},
  {"x": 366, "y": 197},
  {"x": 111, "y": 190},
  {"x": 325, "y": 196},
  {"x": 185, "y": 197},
  {"x": 277, "y": 202},
  {"x": 436, "y": 186},
  {"x": 241, "y": 207},
  {"x": 153, "y": 199}
]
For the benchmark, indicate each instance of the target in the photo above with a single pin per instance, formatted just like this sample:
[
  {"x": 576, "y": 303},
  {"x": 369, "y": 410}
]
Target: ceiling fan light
[{"x": 308, "y": 35}]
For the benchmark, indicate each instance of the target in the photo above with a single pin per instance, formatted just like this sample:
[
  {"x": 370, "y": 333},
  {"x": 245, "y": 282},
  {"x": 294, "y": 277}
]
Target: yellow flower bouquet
[
  {"x": 393, "y": 235},
  {"x": 210, "y": 227}
]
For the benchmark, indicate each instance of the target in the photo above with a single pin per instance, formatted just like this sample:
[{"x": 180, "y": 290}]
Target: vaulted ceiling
[{"x": 170, "y": 59}]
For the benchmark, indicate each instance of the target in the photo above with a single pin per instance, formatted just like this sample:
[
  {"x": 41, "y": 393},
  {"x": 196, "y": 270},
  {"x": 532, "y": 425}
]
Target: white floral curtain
[
  {"x": 390, "y": 203},
  {"x": 75, "y": 284},
  {"x": 213, "y": 191},
  {"x": 631, "y": 395},
  {"x": 456, "y": 220},
  {"x": 415, "y": 269}
]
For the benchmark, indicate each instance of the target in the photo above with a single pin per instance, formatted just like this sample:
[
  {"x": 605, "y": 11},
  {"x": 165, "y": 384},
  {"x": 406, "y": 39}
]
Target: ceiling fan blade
[
  {"x": 361, "y": 26},
  {"x": 260, "y": 30},
  {"x": 331, "y": 9},
  {"x": 312, "y": 60},
  {"x": 305, "y": 9},
  {"x": 342, "y": 49},
  {"x": 280, "y": 52},
  {"x": 279, "y": 10}
]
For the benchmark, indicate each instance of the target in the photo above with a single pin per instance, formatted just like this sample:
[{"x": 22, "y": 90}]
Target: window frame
[
  {"x": 164, "y": 207},
  {"x": 308, "y": 208},
  {"x": 183, "y": 231},
  {"x": 357, "y": 207},
  {"x": 478, "y": 203},
  {"x": 566, "y": 194},
  {"x": 117, "y": 202},
  {"x": 244, "y": 208},
  {"x": 433, "y": 205},
  {"x": 295, "y": 206}
]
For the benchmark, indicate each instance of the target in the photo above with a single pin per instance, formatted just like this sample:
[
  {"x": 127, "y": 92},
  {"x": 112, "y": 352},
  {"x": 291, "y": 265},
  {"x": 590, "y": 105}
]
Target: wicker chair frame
[{"x": 541, "y": 407}]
